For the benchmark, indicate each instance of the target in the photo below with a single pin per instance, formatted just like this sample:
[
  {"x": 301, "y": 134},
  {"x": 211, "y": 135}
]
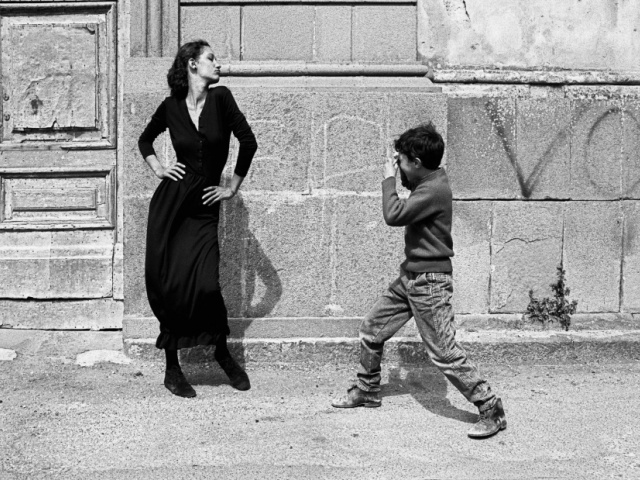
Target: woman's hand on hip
[
  {"x": 174, "y": 172},
  {"x": 216, "y": 194}
]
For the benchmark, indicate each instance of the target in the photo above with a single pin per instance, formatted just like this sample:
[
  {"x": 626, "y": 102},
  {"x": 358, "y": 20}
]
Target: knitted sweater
[{"x": 426, "y": 216}]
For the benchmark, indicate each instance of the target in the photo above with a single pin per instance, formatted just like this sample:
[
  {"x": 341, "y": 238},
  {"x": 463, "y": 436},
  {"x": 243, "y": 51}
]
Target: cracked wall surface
[
  {"x": 555, "y": 172},
  {"x": 574, "y": 34}
]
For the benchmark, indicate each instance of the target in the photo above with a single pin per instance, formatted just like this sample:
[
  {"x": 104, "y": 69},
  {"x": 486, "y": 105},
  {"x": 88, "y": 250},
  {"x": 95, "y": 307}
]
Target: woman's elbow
[{"x": 251, "y": 145}]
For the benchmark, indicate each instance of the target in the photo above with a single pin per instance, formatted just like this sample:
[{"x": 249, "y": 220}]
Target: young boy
[{"x": 423, "y": 289}]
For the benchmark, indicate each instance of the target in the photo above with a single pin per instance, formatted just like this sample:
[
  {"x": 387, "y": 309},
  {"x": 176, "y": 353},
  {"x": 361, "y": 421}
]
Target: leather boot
[
  {"x": 177, "y": 384},
  {"x": 490, "y": 422},
  {"x": 237, "y": 376},
  {"x": 356, "y": 398}
]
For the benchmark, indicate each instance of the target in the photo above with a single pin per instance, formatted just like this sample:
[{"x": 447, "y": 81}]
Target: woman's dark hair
[
  {"x": 177, "y": 78},
  {"x": 423, "y": 142}
]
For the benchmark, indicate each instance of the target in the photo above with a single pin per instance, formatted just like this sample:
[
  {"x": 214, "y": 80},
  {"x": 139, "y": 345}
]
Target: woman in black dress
[{"x": 183, "y": 256}]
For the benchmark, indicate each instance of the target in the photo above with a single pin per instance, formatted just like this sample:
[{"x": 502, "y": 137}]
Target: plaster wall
[{"x": 535, "y": 34}]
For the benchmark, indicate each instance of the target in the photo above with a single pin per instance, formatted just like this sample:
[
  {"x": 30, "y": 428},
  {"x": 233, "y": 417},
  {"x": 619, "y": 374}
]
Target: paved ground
[{"x": 111, "y": 421}]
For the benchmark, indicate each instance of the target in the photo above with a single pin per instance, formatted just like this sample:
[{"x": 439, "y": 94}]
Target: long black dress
[{"x": 183, "y": 255}]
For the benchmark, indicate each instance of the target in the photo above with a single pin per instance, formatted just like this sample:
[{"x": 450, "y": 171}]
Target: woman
[{"x": 182, "y": 260}]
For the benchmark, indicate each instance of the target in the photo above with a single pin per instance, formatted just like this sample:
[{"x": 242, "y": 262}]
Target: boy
[{"x": 423, "y": 289}]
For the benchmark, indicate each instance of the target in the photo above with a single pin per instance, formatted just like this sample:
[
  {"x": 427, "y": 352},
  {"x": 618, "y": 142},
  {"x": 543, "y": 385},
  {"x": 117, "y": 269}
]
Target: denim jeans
[{"x": 427, "y": 298}]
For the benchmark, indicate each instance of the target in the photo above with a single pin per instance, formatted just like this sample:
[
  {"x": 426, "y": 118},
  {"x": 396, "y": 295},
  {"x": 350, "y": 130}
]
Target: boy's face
[{"x": 409, "y": 171}]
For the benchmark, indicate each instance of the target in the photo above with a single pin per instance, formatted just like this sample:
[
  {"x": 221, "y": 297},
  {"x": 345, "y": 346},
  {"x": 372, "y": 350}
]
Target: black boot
[
  {"x": 177, "y": 384},
  {"x": 238, "y": 377},
  {"x": 174, "y": 378}
]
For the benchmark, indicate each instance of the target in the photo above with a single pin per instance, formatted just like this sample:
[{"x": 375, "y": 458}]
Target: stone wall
[
  {"x": 541, "y": 176},
  {"x": 545, "y": 177},
  {"x": 305, "y": 240},
  {"x": 545, "y": 168},
  {"x": 537, "y": 101}
]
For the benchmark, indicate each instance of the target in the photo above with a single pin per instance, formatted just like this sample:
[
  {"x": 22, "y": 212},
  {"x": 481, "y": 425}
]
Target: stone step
[
  {"x": 486, "y": 346},
  {"x": 135, "y": 327}
]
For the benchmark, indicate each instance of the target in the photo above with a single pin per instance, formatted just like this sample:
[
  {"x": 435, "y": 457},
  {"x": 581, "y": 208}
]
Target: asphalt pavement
[{"x": 82, "y": 416}]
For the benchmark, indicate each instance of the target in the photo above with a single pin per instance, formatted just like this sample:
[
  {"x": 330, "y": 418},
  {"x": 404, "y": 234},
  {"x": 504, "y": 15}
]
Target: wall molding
[
  {"x": 532, "y": 77},
  {"x": 257, "y": 69}
]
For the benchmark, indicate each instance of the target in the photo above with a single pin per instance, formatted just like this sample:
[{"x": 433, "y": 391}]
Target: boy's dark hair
[
  {"x": 423, "y": 142},
  {"x": 177, "y": 78}
]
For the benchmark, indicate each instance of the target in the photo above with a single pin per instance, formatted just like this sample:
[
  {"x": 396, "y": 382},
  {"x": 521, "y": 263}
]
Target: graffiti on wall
[{"x": 590, "y": 131}]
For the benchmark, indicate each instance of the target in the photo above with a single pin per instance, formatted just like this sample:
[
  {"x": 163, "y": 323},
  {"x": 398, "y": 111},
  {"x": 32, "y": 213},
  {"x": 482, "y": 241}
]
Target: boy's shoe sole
[{"x": 365, "y": 404}]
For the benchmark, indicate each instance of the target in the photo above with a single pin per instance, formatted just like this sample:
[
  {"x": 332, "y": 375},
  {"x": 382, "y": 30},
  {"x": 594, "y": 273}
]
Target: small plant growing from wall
[{"x": 557, "y": 309}]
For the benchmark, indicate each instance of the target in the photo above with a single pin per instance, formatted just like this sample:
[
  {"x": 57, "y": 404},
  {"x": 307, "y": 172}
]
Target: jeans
[{"x": 427, "y": 298}]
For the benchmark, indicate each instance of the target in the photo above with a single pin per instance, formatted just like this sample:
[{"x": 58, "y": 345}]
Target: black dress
[{"x": 183, "y": 255}]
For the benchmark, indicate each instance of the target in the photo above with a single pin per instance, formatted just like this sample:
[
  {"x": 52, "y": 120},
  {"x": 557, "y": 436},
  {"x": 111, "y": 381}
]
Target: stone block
[
  {"x": 138, "y": 28},
  {"x": 596, "y": 149},
  {"x": 631, "y": 148},
  {"x": 526, "y": 248},
  {"x": 384, "y": 33},
  {"x": 408, "y": 110},
  {"x": 349, "y": 140},
  {"x": 89, "y": 277},
  {"x": 275, "y": 255},
  {"x": 280, "y": 122},
  {"x": 481, "y": 147},
  {"x": 136, "y": 211},
  {"x": 366, "y": 254},
  {"x": 118, "y": 272},
  {"x": 218, "y": 25},
  {"x": 543, "y": 147},
  {"x": 138, "y": 178},
  {"x": 471, "y": 232},
  {"x": 48, "y": 265},
  {"x": 592, "y": 254},
  {"x": 260, "y": 328},
  {"x": 62, "y": 315},
  {"x": 332, "y": 34},
  {"x": 278, "y": 32},
  {"x": 631, "y": 258}
]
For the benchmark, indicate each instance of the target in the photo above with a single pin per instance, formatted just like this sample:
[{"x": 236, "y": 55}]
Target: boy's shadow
[
  {"x": 251, "y": 288},
  {"x": 427, "y": 386}
]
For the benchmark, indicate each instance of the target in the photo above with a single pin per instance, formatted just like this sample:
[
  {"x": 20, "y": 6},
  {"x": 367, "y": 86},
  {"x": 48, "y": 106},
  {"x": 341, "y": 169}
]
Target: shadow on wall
[{"x": 250, "y": 284}]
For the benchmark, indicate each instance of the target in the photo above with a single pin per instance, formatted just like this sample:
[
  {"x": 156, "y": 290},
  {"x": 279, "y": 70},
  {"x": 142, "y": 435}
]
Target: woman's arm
[
  {"x": 242, "y": 131},
  {"x": 248, "y": 146},
  {"x": 174, "y": 172},
  {"x": 155, "y": 127}
]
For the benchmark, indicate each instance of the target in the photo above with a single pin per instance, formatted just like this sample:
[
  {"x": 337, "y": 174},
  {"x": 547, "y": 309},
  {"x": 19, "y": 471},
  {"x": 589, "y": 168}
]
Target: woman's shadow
[
  {"x": 250, "y": 286},
  {"x": 427, "y": 386}
]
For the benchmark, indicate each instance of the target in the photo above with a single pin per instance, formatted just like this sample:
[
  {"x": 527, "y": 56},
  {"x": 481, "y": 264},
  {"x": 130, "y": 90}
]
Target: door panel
[{"x": 58, "y": 163}]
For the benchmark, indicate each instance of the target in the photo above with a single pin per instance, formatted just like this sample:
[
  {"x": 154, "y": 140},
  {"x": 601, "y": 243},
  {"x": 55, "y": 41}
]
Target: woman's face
[{"x": 207, "y": 67}]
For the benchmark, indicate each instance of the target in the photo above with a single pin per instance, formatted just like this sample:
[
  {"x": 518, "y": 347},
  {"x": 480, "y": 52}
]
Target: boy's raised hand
[{"x": 391, "y": 166}]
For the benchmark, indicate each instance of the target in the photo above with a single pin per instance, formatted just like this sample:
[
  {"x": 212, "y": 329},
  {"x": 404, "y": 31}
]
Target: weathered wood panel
[
  {"x": 58, "y": 76},
  {"x": 63, "y": 199}
]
